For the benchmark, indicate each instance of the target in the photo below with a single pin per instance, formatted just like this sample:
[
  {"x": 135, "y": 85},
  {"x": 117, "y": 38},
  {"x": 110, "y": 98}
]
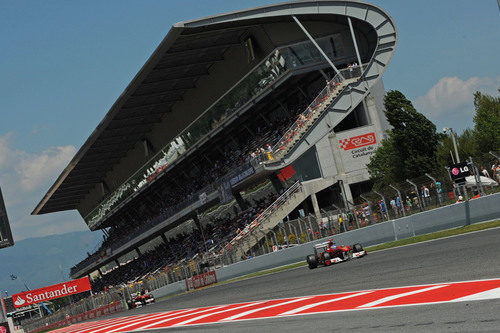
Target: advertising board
[
  {"x": 51, "y": 292},
  {"x": 202, "y": 280},
  {"x": 459, "y": 171},
  {"x": 4, "y": 327}
]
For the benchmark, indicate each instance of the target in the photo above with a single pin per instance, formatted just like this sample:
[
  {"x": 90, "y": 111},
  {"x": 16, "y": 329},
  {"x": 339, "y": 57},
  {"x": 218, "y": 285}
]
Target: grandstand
[
  {"x": 235, "y": 120},
  {"x": 6, "y": 238}
]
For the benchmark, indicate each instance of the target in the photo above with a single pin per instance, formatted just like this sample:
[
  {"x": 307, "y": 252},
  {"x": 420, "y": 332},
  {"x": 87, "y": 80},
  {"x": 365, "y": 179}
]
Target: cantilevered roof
[
  {"x": 184, "y": 55},
  {"x": 172, "y": 70}
]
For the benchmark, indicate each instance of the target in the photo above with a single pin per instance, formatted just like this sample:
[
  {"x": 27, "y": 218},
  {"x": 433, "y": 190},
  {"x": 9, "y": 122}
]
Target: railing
[
  {"x": 296, "y": 187},
  {"x": 272, "y": 68},
  {"x": 253, "y": 84},
  {"x": 191, "y": 199},
  {"x": 316, "y": 107}
]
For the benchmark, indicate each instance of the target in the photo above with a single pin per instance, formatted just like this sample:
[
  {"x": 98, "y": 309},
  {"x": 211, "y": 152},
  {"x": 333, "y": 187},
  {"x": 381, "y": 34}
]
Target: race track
[{"x": 473, "y": 256}]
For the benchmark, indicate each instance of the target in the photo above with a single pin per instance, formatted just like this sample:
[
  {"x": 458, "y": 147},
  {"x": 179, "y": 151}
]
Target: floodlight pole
[
  {"x": 454, "y": 141},
  {"x": 318, "y": 47}
]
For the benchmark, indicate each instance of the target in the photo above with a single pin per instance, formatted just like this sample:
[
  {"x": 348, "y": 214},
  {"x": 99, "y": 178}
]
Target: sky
[{"x": 64, "y": 63}]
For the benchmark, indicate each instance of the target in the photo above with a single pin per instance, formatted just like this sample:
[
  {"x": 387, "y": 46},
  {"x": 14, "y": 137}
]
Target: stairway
[{"x": 273, "y": 215}]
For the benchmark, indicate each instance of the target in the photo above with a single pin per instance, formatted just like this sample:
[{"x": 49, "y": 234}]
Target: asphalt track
[{"x": 466, "y": 257}]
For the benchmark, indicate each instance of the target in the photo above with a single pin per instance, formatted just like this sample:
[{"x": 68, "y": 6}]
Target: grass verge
[
  {"x": 436, "y": 235},
  {"x": 406, "y": 241}
]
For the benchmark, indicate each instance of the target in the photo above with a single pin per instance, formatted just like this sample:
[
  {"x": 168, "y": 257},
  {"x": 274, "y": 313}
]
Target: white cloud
[
  {"x": 452, "y": 93},
  {"x": 36, "y": 169},
  {"x": 24, "y": 178}
]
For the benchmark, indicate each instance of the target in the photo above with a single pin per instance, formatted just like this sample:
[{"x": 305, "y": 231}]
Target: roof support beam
[
  {"x": 317, "y": 46},
  {"x": 204, "y": 48},
  {"x": 355, "y": 45},
  {"x": 202, "y": 60}
]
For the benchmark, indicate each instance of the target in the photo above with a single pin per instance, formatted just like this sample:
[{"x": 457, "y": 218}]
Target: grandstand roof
[{"x": 183, "y": 56}]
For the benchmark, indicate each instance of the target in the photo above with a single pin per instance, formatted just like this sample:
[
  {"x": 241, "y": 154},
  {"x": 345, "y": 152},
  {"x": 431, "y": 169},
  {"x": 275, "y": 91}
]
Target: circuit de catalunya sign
[{"x": 51, "y": 292}]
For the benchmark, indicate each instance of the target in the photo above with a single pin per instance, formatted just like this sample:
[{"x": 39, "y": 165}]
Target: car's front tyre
[{"x": 312, "y": 261}]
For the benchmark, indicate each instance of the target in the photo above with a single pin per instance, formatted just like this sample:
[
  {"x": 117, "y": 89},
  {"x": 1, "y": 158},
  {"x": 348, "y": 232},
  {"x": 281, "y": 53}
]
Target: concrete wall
[{"x": 481, "y": 209}]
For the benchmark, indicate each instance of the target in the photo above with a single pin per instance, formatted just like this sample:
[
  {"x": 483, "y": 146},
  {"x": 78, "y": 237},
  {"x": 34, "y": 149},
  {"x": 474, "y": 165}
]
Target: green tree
[
  {"x": 486, "y": 125},
  {"x": 410, "y": 149}
]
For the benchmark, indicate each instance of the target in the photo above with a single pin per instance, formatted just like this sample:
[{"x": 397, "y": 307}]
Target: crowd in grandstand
[
  {"x": 184, "y": 246},
  {"x": 254, "y": 142}
]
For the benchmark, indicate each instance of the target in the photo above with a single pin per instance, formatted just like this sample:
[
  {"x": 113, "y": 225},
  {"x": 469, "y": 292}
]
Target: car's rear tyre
[
  {"x": 357, "y": 248},
  {"x": 312, "y": 261}
]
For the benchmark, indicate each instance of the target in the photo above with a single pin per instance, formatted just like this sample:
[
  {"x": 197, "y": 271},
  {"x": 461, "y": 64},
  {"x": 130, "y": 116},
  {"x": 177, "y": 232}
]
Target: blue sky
[{"x": 64, "y": 63}]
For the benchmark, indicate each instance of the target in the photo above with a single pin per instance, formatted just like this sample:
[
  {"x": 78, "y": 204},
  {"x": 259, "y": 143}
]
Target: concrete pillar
[
  {"x": 138, "y": 251},
  {"x": 315, "y": 204},
  {"x": 164, "y": 238},
  {"x": 200, "y": 228},
  {"x": 276, "y": 183},
  {"x": 348, "y": 192},
  {"x": 239, "y": 199}
]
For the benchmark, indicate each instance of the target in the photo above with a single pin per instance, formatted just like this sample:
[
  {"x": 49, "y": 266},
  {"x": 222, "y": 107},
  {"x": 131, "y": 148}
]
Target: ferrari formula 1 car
[
  {"x": 140, "y": 299},
  {"x": 328, "y": 253}
]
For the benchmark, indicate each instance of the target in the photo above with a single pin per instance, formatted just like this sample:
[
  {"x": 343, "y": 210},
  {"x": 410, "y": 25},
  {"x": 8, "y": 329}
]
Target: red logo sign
[
  {"x": 358, "y": 141},
  {"x": 3, "y": 329},
  {"x": 51, "y": 292},
  {"x": 202, "y": 280},
  {"x": 455, "y": 171}
]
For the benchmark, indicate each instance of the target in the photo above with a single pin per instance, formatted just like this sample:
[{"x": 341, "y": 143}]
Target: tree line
[{"x": 414, "y": 147}]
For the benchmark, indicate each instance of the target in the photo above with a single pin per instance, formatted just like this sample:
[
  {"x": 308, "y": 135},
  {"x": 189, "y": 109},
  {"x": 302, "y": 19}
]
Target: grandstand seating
[
  {"x": 183, "y": 246},
  {"x": 262, "y": 140}
]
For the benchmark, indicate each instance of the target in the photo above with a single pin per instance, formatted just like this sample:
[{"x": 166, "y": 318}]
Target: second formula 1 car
[
  {"x": 329, "y": 253},
  {"x": 139, "y": 299}
]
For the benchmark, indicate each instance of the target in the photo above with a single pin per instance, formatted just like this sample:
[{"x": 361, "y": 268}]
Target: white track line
[
  {"x": 393, "y": 297},
  {"x": 488, "y": 294},
  {"x": 305, "y": 307},
  {"x": 82, "y": 327},
  {"x": 213, "y": 313},
  {"x": 157, "y": 316},
  {"x": 184, "y": 315},
  {"x": 239, "y": 315}
]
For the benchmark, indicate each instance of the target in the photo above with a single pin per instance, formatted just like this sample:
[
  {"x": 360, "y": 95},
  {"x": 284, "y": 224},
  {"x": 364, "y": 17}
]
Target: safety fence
[
  {"x": 375, "y": 208},
  {"x": 65, "y": 319},
  {"x": 312, "y": 111},
  {"x": 388, "y": 203}
]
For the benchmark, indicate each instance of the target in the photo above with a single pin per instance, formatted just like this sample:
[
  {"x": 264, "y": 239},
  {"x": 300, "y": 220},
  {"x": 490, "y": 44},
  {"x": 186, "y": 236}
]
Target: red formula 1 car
[
  {"x": 140, "y": 299},
  {"x": 328, "y": 253}
]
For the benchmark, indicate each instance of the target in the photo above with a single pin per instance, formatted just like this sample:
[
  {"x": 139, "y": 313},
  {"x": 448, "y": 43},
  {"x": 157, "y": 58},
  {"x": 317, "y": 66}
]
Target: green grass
[{"x": 412, "y": 240}]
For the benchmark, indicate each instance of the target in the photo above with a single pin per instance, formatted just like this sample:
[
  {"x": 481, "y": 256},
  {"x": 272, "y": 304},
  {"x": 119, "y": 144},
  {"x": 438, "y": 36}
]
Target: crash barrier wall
[
  {"x": 479, "y": 210},
  {"x": 172, "y": 281},
  {"x": 91, "y": 303},
  {"x": 43, "y": 325}
]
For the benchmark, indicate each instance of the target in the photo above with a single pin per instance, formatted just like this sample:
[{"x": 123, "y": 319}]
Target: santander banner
[{"x": 51, "y": 292}]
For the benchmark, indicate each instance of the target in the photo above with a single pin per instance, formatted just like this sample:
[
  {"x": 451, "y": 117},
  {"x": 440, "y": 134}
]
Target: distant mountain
[{"x": 45, "y": 260}]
